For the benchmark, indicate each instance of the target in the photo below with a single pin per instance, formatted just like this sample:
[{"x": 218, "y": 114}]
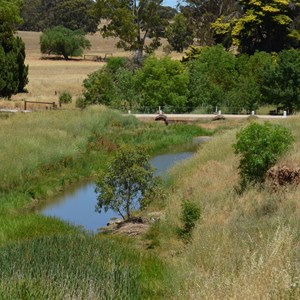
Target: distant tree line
[
  {"x": 39, "y": 15},
  {"x": 211, "y": 78}
]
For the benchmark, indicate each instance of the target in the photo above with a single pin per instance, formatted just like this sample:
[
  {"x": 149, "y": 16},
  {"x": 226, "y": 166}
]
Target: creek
[{"x": 77, "y": 205}]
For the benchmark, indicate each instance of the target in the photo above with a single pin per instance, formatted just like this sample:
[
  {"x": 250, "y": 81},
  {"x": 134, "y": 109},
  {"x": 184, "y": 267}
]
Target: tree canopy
[
  {"x": 128, "y": 180},
  {"x": 179, "y": 33},
  {"x": 133, "y": 22},
  {"x": 13, "y": 72},
  {"x": 39, "y": 15},
  {"x": 63, "y": 41},
  {"x": 266, "y": 25}
]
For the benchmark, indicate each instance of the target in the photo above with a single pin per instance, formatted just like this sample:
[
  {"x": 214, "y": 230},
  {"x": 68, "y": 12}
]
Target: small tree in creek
[{"x": 129, "y": 179}]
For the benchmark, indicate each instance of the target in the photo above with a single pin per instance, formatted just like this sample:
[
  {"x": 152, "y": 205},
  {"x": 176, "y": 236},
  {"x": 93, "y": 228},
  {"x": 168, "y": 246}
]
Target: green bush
[
  {"x": 80, "y": 102},
  {"x": 260, "y": 146},
  {"x": 162, "y": 82},
  {"x": 65, "y": 98},
  {"x": 212, "y": 76},
  {"x": 63, "y": 41},
  {"x": 190, "y": 214},
  {"x": 99, "y": 87}
]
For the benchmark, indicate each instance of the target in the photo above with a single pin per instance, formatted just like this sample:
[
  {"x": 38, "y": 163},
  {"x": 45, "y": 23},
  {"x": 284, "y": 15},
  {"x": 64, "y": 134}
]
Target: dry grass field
[{"x": 49, "y": 77}]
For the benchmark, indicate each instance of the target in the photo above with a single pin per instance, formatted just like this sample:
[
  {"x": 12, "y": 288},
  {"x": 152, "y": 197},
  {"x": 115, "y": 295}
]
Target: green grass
[
  {"x": 78, "y": 267},
  {"x": 45, "y": 258}
]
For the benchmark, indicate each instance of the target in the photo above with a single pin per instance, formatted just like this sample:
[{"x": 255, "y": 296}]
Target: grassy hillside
[{"x": 245, "y": 246}]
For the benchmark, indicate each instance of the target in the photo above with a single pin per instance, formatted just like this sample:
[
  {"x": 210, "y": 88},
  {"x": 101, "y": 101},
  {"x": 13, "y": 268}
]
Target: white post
[
  {"x": 253, "y": 112},
  {"x": 216, "y": 109},
  {"x": 129, "y": 111},
  {"x": 159, "y": 110},
  {"x": 219, "y": 112},
  {"x": 284, "y": 114}
]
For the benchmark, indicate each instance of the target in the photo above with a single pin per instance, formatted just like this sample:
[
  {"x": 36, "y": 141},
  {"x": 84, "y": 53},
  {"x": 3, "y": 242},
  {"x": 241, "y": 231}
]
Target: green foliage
[
  {"x": 99, "y": 87},
  {"x": 259, "y": 147},
  {"x": 128, "y": 178},
  {"x": 192, "y": 53},
  {"x": 13, "y": 72},
  {"x": 62, "y": 41},
  {"x": 115, "y": 63},
  {"x": 281, "y": 80},
  {"x": 133, "y": 22},
  {"x": 179, "y": 33},
  {"x": 200, "y": 14},
  {"x": 162, "y": 82},
  {"x": 246, "y": 92},
  {"x": 80, "y": 102},
  {"x": 264, "y": 26},
  {"x": 79, "y": 266},
  {"x": 65, "y": 98},
  {"x": 39, "y": 15},
  {"x": 190, "y": 214},
  {"x": 9, "y": 18},
  {"x": 212, "y": 76}
]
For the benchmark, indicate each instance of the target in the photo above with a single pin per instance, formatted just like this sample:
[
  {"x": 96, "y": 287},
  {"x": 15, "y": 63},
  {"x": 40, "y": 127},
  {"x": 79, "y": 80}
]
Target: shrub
[
  {"x": 99, "y": 87},
  {"x": 65, "y": 98},
  {"x": 190, "y": 214},
  {"x": 80, "y": 102},
  {"x": 260, "y": 146}
]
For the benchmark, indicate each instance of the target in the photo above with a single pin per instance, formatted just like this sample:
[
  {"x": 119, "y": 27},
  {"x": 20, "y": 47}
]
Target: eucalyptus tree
[{"x": 137, "y": 24}]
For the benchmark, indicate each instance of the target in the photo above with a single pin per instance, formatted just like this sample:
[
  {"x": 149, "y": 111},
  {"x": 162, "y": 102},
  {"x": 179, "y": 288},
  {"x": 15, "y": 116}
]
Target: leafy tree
[
  {"x": 264, "y": 25},
  {"x": 99, "y": 87},
  {"x": 259, "y": 147},
  {"x": 133, "y": 22},
  {"x": 281, "y": 80},
  {"x": 128, "y": 179},
  {"x": 13, "y": 72},
  {"x": 246, "y": 92},
  {"x": 202, "y": 13},
  {"x": 9, "y": 19},
  {"x": 179, "y": 33},
  {"x": 162, "y": 82},
  {"x": 212, "y": 77},
  {"x": 39, "y": 15},
  {"x": 62, "y": 41}
]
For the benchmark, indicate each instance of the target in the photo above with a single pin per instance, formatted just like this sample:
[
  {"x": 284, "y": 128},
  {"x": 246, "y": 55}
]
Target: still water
[{"x": 77, "y": 206}]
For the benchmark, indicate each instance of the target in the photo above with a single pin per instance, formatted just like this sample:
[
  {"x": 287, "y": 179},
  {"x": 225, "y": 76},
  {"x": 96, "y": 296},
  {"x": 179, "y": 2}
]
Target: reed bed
[{"x": 77, "y": 267}]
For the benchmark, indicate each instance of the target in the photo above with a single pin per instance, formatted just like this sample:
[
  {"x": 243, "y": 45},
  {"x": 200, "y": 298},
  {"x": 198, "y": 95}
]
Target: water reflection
[{"x": 77, "y": 206}]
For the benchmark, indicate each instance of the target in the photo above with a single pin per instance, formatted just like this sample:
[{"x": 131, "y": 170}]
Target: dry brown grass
[
  {"x": 246, "y": 246},
  {"x": 49, "y": 77}
]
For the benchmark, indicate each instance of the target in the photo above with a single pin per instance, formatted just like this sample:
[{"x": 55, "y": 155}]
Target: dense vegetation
[
  {"x": 212, "y": 77},
  {"x": 244, "y": 245},
  {"x": 58, "y": 260},
  {"x": 13, "y": 72},
  {"x": 39, "y": 15}
]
